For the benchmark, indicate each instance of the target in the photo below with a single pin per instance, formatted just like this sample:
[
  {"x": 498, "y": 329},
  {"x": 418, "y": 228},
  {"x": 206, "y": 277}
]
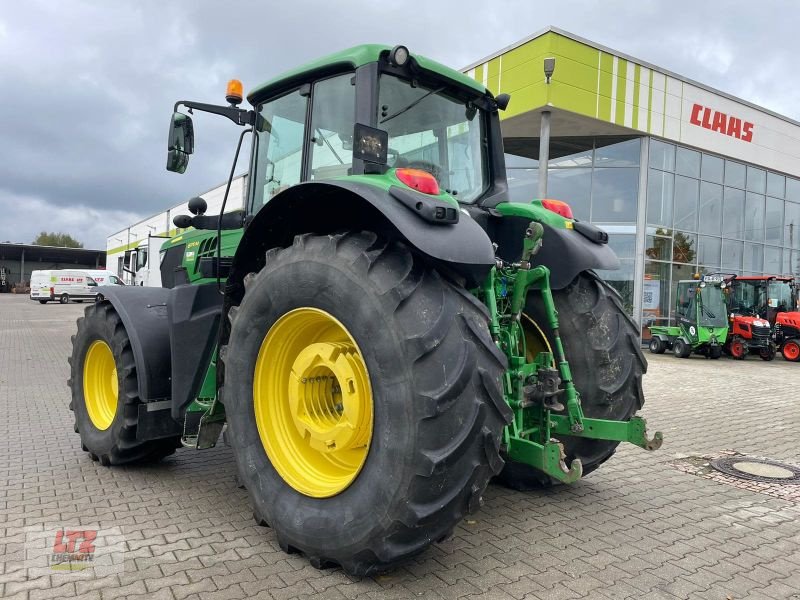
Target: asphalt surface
[{"x": 643, "y": 526}]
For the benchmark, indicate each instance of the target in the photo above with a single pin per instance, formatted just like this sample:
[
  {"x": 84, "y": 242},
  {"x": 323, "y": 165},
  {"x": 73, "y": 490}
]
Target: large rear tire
[
  {"x": 105, "y": 391},
  {"x": 602, "y": 346},
  {"x": 423, "y": 396}
]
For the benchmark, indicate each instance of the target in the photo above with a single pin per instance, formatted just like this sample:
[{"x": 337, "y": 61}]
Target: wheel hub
[
  {"x": 313, "y": 402},
  {"x": 100, "y": 384},
  {"x": 326, "y": 391}
]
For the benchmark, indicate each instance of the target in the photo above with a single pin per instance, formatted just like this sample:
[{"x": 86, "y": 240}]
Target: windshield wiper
[{"x": 413, "y": 104}]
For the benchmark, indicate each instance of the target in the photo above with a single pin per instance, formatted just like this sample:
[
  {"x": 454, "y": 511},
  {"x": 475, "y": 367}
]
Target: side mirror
[{"x": 180, "y": 143}]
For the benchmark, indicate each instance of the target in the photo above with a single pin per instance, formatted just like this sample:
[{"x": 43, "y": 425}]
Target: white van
[
  {"x": 103, "y": 277},
  {"x": 62, "y": 285}
]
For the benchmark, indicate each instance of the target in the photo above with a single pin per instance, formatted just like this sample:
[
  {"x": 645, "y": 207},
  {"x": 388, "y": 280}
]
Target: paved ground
[{"x": 638, "y": 528}]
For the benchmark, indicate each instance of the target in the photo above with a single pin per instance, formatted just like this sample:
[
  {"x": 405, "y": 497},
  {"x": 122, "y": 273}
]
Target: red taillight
[
  {"x": 420, "y": 180},
  {"x": 559, "y": 207}
]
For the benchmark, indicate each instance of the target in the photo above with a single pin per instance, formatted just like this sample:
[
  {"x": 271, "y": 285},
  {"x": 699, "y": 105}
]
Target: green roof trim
[{"x": 352, "y": 58}]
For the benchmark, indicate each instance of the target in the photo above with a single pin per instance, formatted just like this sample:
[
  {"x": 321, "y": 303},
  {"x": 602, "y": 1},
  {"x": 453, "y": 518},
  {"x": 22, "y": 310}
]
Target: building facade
[{"x": 684, "y": 178}]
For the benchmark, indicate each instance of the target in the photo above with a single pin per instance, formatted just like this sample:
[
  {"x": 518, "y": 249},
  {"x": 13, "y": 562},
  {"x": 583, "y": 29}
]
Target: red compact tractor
[{"x": 763, "y": 316}]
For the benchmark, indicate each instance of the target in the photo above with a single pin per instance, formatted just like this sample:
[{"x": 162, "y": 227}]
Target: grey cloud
[{"x": 89, "y": 86}]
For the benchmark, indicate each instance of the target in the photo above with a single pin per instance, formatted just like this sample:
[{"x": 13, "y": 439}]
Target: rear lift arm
[{"x": 532, "y": 389}]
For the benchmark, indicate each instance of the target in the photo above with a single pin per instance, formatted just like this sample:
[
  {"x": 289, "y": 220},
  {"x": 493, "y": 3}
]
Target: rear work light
[
  {"x": 419, "y": 180},
  {"x": 559, "y": 207}
]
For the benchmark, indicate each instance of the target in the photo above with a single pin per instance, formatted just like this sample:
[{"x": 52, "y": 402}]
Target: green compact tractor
[
  {"x": 702, "y": 320},
  {"x": 380, "y": 332}
]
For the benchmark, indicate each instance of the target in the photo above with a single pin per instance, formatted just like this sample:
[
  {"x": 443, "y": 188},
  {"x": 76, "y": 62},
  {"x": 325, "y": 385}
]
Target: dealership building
[{"x": 684, "y": 178}]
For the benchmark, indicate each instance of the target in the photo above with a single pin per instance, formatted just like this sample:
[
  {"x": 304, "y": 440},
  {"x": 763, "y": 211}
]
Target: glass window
[
  {"x": 713, "y": 168},
  {"x": 620, "y": 154},
  {"x": 734, "y": 174},
  {"x": 662, "y": 155},
  {"x": 332, "y": 119},
  {"x": 280, "y": 128},
  {"x": 684, "y": 247},
  {"x": 614, "y": 194},
  {"x": 710, "y": 208},
  {"x": 793, "y": 189},
  {"x": 772, "y": 260},
  {"x": 754, "y": 217},
  {"x": 776, "y": 185},
  {"x": 756, "y": 180},
  {"x": 687, "y": 193},
  {"x": 791, "y": 225},
  {"x": 709, "y": 251},
  {"x": 687, "y": 162},
  {"x": 732, "y": 256},
  {"x": 514, "y": 161},
  {"x": 774, "y": 221},
  {"x": 523, "y": 184},
  {"x": 623, "y": 245},
  {"x": 733, "y": 215},
  {"x": 570, "y": 152},
  {"x": 660, "y": 190},
  {"x": 655, "y": 295},
  {"x": 753, "y": 258},
  {"x": 622, "y": 280},
  {"x": 573, "y": 186},
  {"x": 659, "y": 247},
  {"x": 791, "y": 262}
]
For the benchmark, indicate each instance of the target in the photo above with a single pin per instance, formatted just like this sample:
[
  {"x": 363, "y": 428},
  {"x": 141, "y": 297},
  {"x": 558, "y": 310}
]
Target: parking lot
[{"x": 645, "y": 525}]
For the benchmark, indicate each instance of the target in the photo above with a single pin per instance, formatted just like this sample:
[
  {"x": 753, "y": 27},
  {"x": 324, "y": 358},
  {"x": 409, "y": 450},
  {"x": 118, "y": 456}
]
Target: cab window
[
  {"x": 332, "y": 121},
  {"x": 280, "y": 131}
]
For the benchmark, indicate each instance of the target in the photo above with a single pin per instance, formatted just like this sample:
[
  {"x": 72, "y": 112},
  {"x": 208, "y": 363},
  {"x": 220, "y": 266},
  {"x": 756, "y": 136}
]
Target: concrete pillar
[
  {"x": 641, "y": 233},
  {"x": 544, "y": 152}
]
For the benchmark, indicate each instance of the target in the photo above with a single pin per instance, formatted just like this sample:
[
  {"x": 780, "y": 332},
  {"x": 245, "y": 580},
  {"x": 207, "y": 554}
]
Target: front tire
[
  {"x": 433, "y": 387},
  {"x": 768, "y": 353},
  {"x": 105, "y": 391},
  {"x": 681, "y": 349},
  {"x": 601, "y": 343},
  {"x": 64, "y": 299},
  {"x": 791, "y": 350},
  {"x": 42, "y": 301},
  {"x": 657, "y": 345}
]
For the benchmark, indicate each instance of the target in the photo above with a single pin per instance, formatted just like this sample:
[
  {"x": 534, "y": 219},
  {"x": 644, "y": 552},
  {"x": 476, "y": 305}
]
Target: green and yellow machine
[
  {"x": 702, "y": 320},
  {"x": 380, "y": 331}
]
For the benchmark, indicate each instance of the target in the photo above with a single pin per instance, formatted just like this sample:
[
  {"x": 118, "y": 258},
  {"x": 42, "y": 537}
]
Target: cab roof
[{"x": 352, "y": 58}]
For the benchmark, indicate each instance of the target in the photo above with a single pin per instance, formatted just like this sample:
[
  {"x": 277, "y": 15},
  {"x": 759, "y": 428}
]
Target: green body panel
[
  {"x": 533, "y": 386},
  {"x": 353, "y": 58},
  {"x": 389, "y": 179},
  {"x": 534, "y": 211},
  {"x": 702, "y": 335},
  {"x": 202, "y": 243}
]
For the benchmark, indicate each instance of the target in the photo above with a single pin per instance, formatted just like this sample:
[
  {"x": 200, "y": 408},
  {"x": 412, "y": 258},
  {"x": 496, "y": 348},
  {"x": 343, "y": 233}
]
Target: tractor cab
[
  {"x": 765, "y": 314},
  {"x": 701, "y": 317}
]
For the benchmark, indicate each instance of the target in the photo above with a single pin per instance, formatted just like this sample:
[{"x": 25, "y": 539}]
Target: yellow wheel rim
[
  {"x": 313, "y": 402},
  {"x": 100, "y": 385},
  {"x": 535, "y": 339}
]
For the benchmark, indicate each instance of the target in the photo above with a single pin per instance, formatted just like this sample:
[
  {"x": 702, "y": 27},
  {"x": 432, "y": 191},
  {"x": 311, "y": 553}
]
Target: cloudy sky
[{"x": 89, "y": 86}]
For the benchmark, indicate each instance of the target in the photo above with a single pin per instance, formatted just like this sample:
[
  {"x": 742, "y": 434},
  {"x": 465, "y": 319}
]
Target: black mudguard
[
  {"x": 566, "y": 252},
  {"x": 194, "y": 313},
  {"x": 173, "y": 334},
  {"x": 143, "y": 311},
  {"x": 325, "y": 207}
]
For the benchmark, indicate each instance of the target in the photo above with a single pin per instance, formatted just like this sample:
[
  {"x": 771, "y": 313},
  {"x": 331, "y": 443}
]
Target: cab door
[{"x": 686, "y": 310}]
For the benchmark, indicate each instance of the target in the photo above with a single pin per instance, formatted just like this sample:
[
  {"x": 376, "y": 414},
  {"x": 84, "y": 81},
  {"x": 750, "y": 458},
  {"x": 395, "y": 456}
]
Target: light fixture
[
  {"x": 398, "y": 56},
  {"x": 549, "y": 68}
]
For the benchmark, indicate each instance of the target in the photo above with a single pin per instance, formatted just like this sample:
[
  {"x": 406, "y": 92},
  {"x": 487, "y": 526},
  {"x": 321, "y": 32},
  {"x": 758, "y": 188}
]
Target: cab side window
[
  {"x": 332, "y": 120},
  {"x": 280, "y": 127}
]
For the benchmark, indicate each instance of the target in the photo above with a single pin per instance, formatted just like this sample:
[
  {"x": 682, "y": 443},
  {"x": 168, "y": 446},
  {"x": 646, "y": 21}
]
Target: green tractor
[
  {"x": 702, "y": 317},
  {"x": 380, "y": 332}
]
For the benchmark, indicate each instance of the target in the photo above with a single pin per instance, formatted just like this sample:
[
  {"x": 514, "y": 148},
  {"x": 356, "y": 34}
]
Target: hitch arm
[{"x": 633, "y": 431}]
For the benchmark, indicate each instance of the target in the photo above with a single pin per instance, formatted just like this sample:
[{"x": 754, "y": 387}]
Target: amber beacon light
[{"x": 233, "y": 93}]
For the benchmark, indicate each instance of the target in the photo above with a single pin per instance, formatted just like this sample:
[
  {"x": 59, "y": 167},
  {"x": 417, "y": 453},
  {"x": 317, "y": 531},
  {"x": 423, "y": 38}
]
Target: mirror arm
[{"x": 237, "y": 115}]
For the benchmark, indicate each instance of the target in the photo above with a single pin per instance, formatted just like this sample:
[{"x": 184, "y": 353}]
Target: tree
[{"x": 63, "y": 240}]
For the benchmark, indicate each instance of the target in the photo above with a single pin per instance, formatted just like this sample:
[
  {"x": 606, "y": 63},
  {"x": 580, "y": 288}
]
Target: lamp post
[{"x": 544, "y": 132}]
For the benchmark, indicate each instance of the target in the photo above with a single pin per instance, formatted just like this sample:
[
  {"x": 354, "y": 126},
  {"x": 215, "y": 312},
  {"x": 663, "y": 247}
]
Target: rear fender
[
  {"x": 143, "y": 311},
  {"x": 327, "y": 207}
]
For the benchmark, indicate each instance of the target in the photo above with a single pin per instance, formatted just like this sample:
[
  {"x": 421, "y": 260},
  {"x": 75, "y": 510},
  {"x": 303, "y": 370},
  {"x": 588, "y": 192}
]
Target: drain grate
[
  {"x": 752, "y": 473},
  {"x": 757, "y": 469}
]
